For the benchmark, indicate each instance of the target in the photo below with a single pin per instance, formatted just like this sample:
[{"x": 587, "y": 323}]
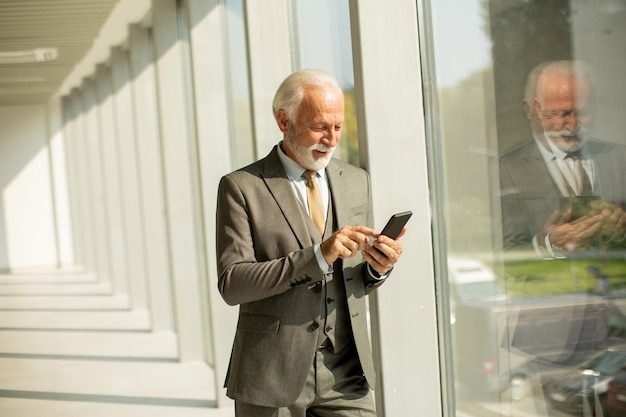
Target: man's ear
[
  {"x": 527, "y": 108},
  {"x": 282, "y": 120},
  {"x": 538, "y": 109}
]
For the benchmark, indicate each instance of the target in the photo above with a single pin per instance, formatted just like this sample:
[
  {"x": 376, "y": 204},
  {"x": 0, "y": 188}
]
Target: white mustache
[
  {"x": 580, "y": 132},
  {"x": 322, "y": 148}
]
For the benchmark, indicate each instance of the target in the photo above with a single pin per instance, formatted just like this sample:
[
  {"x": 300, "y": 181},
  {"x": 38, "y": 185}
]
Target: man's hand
[
  {"x": 613, "y": 224},
  {"x": 603, "y": 223},
  {"x": 346, "y": 242},
  {"x": 573, "y": 235},
  {"x": 350, "y": 240},
  {"x": 383, "y": 253}
]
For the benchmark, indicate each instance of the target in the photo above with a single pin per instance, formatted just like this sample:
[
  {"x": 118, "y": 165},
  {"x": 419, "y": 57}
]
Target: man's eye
[
  {"x": 564, "y": 114},
  {"x": 556, "y": 114}
]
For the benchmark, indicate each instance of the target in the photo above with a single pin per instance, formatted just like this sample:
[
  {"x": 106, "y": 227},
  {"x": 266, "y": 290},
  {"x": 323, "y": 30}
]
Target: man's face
[
  {"x": 312, "y": 139},
  {"x": 566, "y": 111}
]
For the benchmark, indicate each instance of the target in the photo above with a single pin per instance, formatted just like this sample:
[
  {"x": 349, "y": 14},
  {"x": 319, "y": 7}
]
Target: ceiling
[{"x": 71, "y": 26}]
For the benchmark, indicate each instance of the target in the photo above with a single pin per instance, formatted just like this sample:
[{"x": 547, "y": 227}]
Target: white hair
[
  {"x": 567, "y": 68},
  {"x": 291, "y": 91},
  {"x": 531, "y": 83}
]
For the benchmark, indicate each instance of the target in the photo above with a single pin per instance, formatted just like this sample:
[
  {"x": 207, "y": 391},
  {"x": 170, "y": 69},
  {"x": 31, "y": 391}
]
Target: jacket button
[
  {"x": 329, "y": 300},
  {"x": 328, "y": 329},
  {"x": 314, "y": 326}
]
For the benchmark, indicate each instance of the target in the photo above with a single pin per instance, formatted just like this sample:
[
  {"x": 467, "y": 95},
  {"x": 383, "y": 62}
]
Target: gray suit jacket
[
  {"x": 530, "y": 195},
  {"x": 266, "y": 264}
]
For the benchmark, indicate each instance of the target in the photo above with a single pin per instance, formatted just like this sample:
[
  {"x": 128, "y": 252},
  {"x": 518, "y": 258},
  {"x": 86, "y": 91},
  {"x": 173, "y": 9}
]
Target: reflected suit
[{"x": 529, "y": 194}]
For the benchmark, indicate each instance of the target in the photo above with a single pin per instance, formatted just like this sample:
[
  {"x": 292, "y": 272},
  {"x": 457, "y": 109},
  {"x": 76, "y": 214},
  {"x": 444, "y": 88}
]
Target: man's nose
[
  {"x": 331, "y": 138},
  {"x": 572, "y": 120}
]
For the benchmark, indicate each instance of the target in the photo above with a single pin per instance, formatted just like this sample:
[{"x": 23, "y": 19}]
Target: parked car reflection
[
  {"x": 616, "y": 395},
  {"x": 583, "y": 390},
  {"x": 499, "y": 343},
  {"x": 471, "y": 281}
]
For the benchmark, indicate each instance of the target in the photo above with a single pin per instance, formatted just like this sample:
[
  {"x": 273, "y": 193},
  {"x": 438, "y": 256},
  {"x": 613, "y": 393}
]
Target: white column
[
  {"x": 90, "y": 162},
  {"x": 210, "y": 84},
  {"x": 392, "y": 141},
  {"x": 151, "y": 177},
  {"x": 58, "y": 167},
  {"x": 180, "y": 167},
  {"x": 131, "y": 193},
  {"x": 78, "y": 201},
  {"x": 269, "y": 60},
  {"x": 112, "y": 180}
]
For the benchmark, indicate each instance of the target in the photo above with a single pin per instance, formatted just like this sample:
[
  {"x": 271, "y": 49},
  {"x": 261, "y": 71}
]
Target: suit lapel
[
  {"x": 536, "y": 171},
  {"x": 343, "y": 198},
  {"x": 338, "y": 191},
  {"x": 609, "y": 171},
  {"x": 281, "y": 189}
]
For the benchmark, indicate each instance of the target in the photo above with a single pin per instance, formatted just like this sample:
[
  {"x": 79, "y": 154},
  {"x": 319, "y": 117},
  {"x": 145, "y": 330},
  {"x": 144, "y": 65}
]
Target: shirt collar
[
  {"x": 292, "y": 168},
  {"x": 552, "y": 152}
]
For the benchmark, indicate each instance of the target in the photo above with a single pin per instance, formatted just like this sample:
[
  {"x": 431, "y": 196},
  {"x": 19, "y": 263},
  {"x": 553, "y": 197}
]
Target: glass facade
[
  {"x": 240, "y": 116},
  {"x": 526, "y": 110},
  {"x": 321, "y": 33}
]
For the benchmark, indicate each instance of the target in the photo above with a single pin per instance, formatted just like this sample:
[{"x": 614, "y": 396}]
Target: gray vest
[{"x": 334, "y": 306}]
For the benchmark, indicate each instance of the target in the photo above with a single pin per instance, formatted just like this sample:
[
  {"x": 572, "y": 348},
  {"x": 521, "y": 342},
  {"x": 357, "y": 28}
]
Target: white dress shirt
[
  {"x": 298, "y": 182},
  {"x": 555, "y": 160}
]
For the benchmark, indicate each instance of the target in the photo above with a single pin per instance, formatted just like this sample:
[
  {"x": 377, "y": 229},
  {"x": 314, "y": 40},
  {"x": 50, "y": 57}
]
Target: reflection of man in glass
[
  {"x": 563, "y": 199},
  {"x": 562, "y": 192}
]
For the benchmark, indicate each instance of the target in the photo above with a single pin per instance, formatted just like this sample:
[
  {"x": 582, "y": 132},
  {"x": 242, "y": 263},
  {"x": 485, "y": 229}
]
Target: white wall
[{"x": 27, "y": 232}]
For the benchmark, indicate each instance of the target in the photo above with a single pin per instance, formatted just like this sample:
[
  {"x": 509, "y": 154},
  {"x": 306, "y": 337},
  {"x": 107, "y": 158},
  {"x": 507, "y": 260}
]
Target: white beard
[
  {"x": 576, "y": 143},
  {"x": 304, "y": 156}
]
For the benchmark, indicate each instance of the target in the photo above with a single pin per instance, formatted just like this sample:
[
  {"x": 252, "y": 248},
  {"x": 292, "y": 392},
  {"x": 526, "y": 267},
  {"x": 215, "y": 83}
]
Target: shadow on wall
[{"x": 27, "y": 231}]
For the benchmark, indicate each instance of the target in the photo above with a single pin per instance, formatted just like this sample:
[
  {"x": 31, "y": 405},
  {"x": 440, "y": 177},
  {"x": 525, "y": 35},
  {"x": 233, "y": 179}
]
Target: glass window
[
  {"x": 242, "y": 141},
  {"x": 321, "y": 33},
  {"x": 527, "y": 129}
]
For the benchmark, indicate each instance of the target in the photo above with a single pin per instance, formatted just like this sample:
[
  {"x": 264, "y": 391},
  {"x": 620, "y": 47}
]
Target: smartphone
[{"x": 395, "y": 224}]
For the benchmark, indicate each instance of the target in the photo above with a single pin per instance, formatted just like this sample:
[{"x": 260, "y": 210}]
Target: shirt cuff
[
  {"x": 540, "y": 250},
  {"x": 547, "y": 250},
  {"x": 324, "y": 267},
  {"x": 555, "y": 251},
  {"x": 375, "y": 275}
]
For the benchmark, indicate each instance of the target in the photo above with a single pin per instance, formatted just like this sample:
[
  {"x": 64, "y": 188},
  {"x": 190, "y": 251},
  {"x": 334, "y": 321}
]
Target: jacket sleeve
[{"x": 257, "y": 255}]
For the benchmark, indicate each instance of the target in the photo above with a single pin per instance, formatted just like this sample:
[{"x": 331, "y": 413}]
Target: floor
[{"x": 69, "y": 348}]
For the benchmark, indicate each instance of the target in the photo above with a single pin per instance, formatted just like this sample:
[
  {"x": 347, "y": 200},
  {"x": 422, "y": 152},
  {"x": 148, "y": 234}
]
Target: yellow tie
[
  {"x": 314, "y": 198},
  {"x": 583, "y": 185}
]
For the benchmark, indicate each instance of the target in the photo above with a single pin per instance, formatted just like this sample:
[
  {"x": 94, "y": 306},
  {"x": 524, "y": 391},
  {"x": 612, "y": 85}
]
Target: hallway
[
  {"x": 119, "y": 118},
  {"x": 70, "y": 348}
]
